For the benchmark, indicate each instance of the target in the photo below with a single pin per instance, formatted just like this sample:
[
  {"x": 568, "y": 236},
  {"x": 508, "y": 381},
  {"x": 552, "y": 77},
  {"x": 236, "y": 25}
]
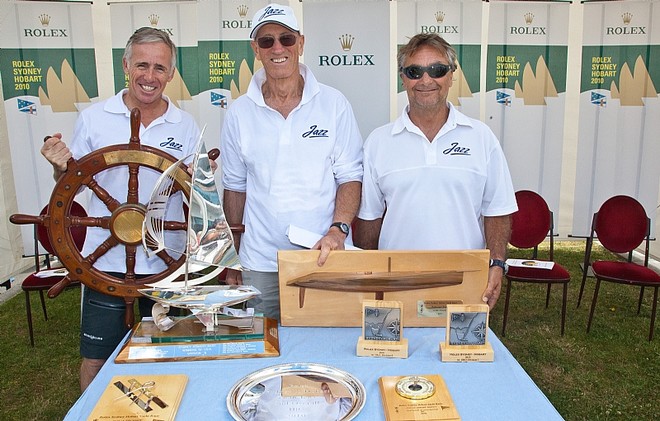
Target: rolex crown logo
[
  {"x": 627, "y": 17},
  {"x": 44, "y": 19},
  {"x": 153, "y": 19},
  {"x": 439, "y": 16},
  {"x": 529, "y": 17},
  {"x": 242, "y": 10},
  {"x": 346, "y": 41}
]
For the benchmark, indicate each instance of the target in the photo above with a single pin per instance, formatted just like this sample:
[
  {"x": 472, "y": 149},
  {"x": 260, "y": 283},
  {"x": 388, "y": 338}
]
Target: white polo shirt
[
  {"x": 435, "y": 192},
  {"x": 289, "y": 168},
  {"x": 108, "y": 123}
]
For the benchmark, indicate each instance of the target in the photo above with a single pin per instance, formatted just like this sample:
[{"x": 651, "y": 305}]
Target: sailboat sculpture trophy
[{"x": 219, "y": 325}]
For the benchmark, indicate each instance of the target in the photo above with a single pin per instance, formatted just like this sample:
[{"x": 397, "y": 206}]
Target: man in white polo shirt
[
  {"x": 291, "y": 154},
  {"x": 149, "y": 61},
  {"x": 435, "y": 179}
]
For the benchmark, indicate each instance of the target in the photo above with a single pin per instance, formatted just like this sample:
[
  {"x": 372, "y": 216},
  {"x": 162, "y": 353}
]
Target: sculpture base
[
  {"x": 188, "y": 341},
  {"x": 386, "y": 349},
  {"x": 480, "y": 353}
]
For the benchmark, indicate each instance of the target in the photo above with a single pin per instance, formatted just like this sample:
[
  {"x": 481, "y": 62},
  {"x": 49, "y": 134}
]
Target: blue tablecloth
[{"x": 500, "y": 390}]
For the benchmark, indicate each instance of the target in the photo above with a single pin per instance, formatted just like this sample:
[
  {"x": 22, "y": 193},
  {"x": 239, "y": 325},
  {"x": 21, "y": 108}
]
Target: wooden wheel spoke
[
  {"x": 110, "y": 202},
  {"x": 130, "y": 263},
  {"x": 102, "y": 249},
  {"x": 90, "y": 221},
  {"x": 133, "y": 196},
  {"x": 175, "y": 225},
  {"x": 169, "y": 260}
]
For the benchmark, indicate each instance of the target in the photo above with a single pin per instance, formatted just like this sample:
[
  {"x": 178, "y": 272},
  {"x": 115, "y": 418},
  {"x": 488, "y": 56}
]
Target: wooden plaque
[
  {"x": 466, "y": 338},
  {"x": 424, "y": 281},
  {"x": 141, "y": 398},
  {"x": 382, "y": 333},
  {"x": 417, "y": 405}
]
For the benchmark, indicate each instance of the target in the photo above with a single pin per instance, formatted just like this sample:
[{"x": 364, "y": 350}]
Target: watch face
[{"x": 343, "y": 227}]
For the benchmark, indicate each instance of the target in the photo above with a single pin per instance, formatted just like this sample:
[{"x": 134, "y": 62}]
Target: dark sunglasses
[
  {"x": 436, "y": 71},
  {"x": 287, "y": 40}
]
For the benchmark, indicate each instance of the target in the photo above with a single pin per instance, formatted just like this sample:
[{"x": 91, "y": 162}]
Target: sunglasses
[
  {"x": 287, "y": 40},
  {"x": 436, "y": 71}
]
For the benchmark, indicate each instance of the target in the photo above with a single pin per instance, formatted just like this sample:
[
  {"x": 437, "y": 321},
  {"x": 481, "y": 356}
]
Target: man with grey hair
[
  {"x": 291, "y": 154},
  {"x": 435, "y": 179},
  {"x": 149, "y": 62}
]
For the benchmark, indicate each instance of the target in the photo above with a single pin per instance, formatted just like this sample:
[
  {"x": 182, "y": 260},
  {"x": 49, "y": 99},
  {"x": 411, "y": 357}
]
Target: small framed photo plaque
[
  {"x": 466, "y": 337},
  {"x": 382, "y": 330}
]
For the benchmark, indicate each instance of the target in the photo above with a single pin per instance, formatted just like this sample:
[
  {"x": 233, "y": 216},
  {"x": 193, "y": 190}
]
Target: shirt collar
[
  {"x": 116, "y": 105},
  {"x": 310, "y": 89},
  {"x": 453, "y": 119}
]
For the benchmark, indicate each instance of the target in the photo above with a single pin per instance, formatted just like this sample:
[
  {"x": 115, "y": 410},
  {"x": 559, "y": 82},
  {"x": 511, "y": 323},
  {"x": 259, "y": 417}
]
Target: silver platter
[{"x": 258, "y": 396}]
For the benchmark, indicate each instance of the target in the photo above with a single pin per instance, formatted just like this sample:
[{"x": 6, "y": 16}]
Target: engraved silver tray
[{"x": 259, "y": 396}]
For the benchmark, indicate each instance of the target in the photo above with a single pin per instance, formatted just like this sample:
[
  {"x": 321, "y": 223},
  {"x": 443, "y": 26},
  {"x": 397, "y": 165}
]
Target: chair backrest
[
  {"x": 78, "y": 232},
  {"x": 532, "y": 221},
  {"x": 621, "y": 224}
]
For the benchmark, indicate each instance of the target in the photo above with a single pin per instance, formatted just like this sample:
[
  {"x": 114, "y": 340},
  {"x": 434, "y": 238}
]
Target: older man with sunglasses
[
  {"x": 435, "y": 179},
  {"x": 291, "y": 155}
]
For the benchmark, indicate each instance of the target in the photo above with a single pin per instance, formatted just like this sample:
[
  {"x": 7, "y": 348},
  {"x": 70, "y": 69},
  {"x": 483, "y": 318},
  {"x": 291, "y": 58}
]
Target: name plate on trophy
[
  {"x": 416, "y": 398},
  {"x": 382, "y": 330},
  {"x": 466, "y": 337},
  {"x": 189, "y": 341}
]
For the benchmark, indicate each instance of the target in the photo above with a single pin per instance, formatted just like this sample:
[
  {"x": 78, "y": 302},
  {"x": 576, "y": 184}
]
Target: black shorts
[{"x": 102, "y": 324}]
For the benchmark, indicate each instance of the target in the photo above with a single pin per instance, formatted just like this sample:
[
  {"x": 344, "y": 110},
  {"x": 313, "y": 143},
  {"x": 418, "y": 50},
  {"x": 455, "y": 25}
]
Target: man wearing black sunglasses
[
  {"x": 291, "y": 155},
  {"x": 435, "y": 179}
]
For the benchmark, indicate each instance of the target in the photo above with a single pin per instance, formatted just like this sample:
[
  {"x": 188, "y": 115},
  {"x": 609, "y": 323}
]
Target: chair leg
[
  {"x": 547, "y": 296},
  {"x": 641, "y": 298},
  {"x": 506, "y": 306},
  {"x": 43, "y": 304},
  {"x": 563, "y": 307},
  {"x": 585, "y": 271},
  {"x": 28, "y": 310},
  {"x": 593, "y": 304},
  {"x": 653, "y": 313}
]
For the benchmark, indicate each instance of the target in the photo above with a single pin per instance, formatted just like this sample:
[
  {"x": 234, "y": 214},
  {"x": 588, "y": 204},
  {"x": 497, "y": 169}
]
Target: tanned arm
[{"x": 498, "y": 232}]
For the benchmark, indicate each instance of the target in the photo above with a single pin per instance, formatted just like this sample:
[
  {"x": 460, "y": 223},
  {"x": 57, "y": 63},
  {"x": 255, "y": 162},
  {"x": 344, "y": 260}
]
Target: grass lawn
[{"x": 611, "y": 373}]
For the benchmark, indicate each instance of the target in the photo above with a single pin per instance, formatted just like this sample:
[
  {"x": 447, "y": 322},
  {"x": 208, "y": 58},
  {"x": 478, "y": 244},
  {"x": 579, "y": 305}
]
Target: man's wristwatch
[
  {"x": 343, "y": 227},
  {"x": 500, "y": 263}
]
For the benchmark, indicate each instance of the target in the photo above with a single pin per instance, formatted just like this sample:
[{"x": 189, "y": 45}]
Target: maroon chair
[
  {"x": 621, "y": 225},
  {"x": 38, "y": 282},
  {"x": 530, "y": 226}
]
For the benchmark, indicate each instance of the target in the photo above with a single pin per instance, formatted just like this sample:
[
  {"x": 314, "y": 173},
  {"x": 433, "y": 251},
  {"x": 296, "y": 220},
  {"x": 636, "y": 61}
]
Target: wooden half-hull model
[{"x": 424, "y": 281}]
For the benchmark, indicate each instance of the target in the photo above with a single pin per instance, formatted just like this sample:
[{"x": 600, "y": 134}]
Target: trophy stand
[
  {"x": 466, "y": 338},
  {"x": 382, "y": 330}
]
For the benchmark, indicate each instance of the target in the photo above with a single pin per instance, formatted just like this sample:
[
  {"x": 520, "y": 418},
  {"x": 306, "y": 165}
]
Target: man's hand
[
  {"x": 56, "y": 152},
  {"x": 333, "y": 240},
  {"x": 234, "y": 277},
  {"x": 494, "y": 287}
]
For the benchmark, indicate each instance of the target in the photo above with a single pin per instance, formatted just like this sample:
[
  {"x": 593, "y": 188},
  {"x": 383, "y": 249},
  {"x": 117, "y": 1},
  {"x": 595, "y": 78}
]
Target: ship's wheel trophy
[
  {"x": 136, "y": 222},
  {"x": 382, "y": 330},
  {"x": 466, "y": 338}
]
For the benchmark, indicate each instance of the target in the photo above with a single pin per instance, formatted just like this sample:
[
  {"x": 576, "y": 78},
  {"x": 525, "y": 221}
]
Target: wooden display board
[{"x": 332, "y": 295}]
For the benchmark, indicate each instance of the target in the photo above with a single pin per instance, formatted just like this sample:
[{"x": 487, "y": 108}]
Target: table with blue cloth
[{"x": 499, "y": 390}]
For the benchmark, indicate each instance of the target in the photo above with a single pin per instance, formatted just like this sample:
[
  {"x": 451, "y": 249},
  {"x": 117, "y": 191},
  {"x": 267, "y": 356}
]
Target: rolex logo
[
  {"x": 346, "y": 41},
  {"x": 242, "y": 10},
  {"x": 153, "y": 19},
  {"x": 44, "y": 19},
  {"x": 529, "y": 18},
  {"x": 439, "y": 16},
  {"x": 627, "y": 17}
]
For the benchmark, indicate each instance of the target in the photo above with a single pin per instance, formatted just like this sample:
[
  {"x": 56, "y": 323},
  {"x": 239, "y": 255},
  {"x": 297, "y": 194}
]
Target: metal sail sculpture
[{"x": 209, "y": 249}]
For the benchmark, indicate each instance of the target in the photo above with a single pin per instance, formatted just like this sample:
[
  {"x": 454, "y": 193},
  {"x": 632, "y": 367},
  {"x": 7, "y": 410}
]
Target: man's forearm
[
  {"x": 347, "y": 201},
  {"x": 498, "y": 231},
  {"x": 367, "y": 233},
  {"x": 234, "y": 205}
]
